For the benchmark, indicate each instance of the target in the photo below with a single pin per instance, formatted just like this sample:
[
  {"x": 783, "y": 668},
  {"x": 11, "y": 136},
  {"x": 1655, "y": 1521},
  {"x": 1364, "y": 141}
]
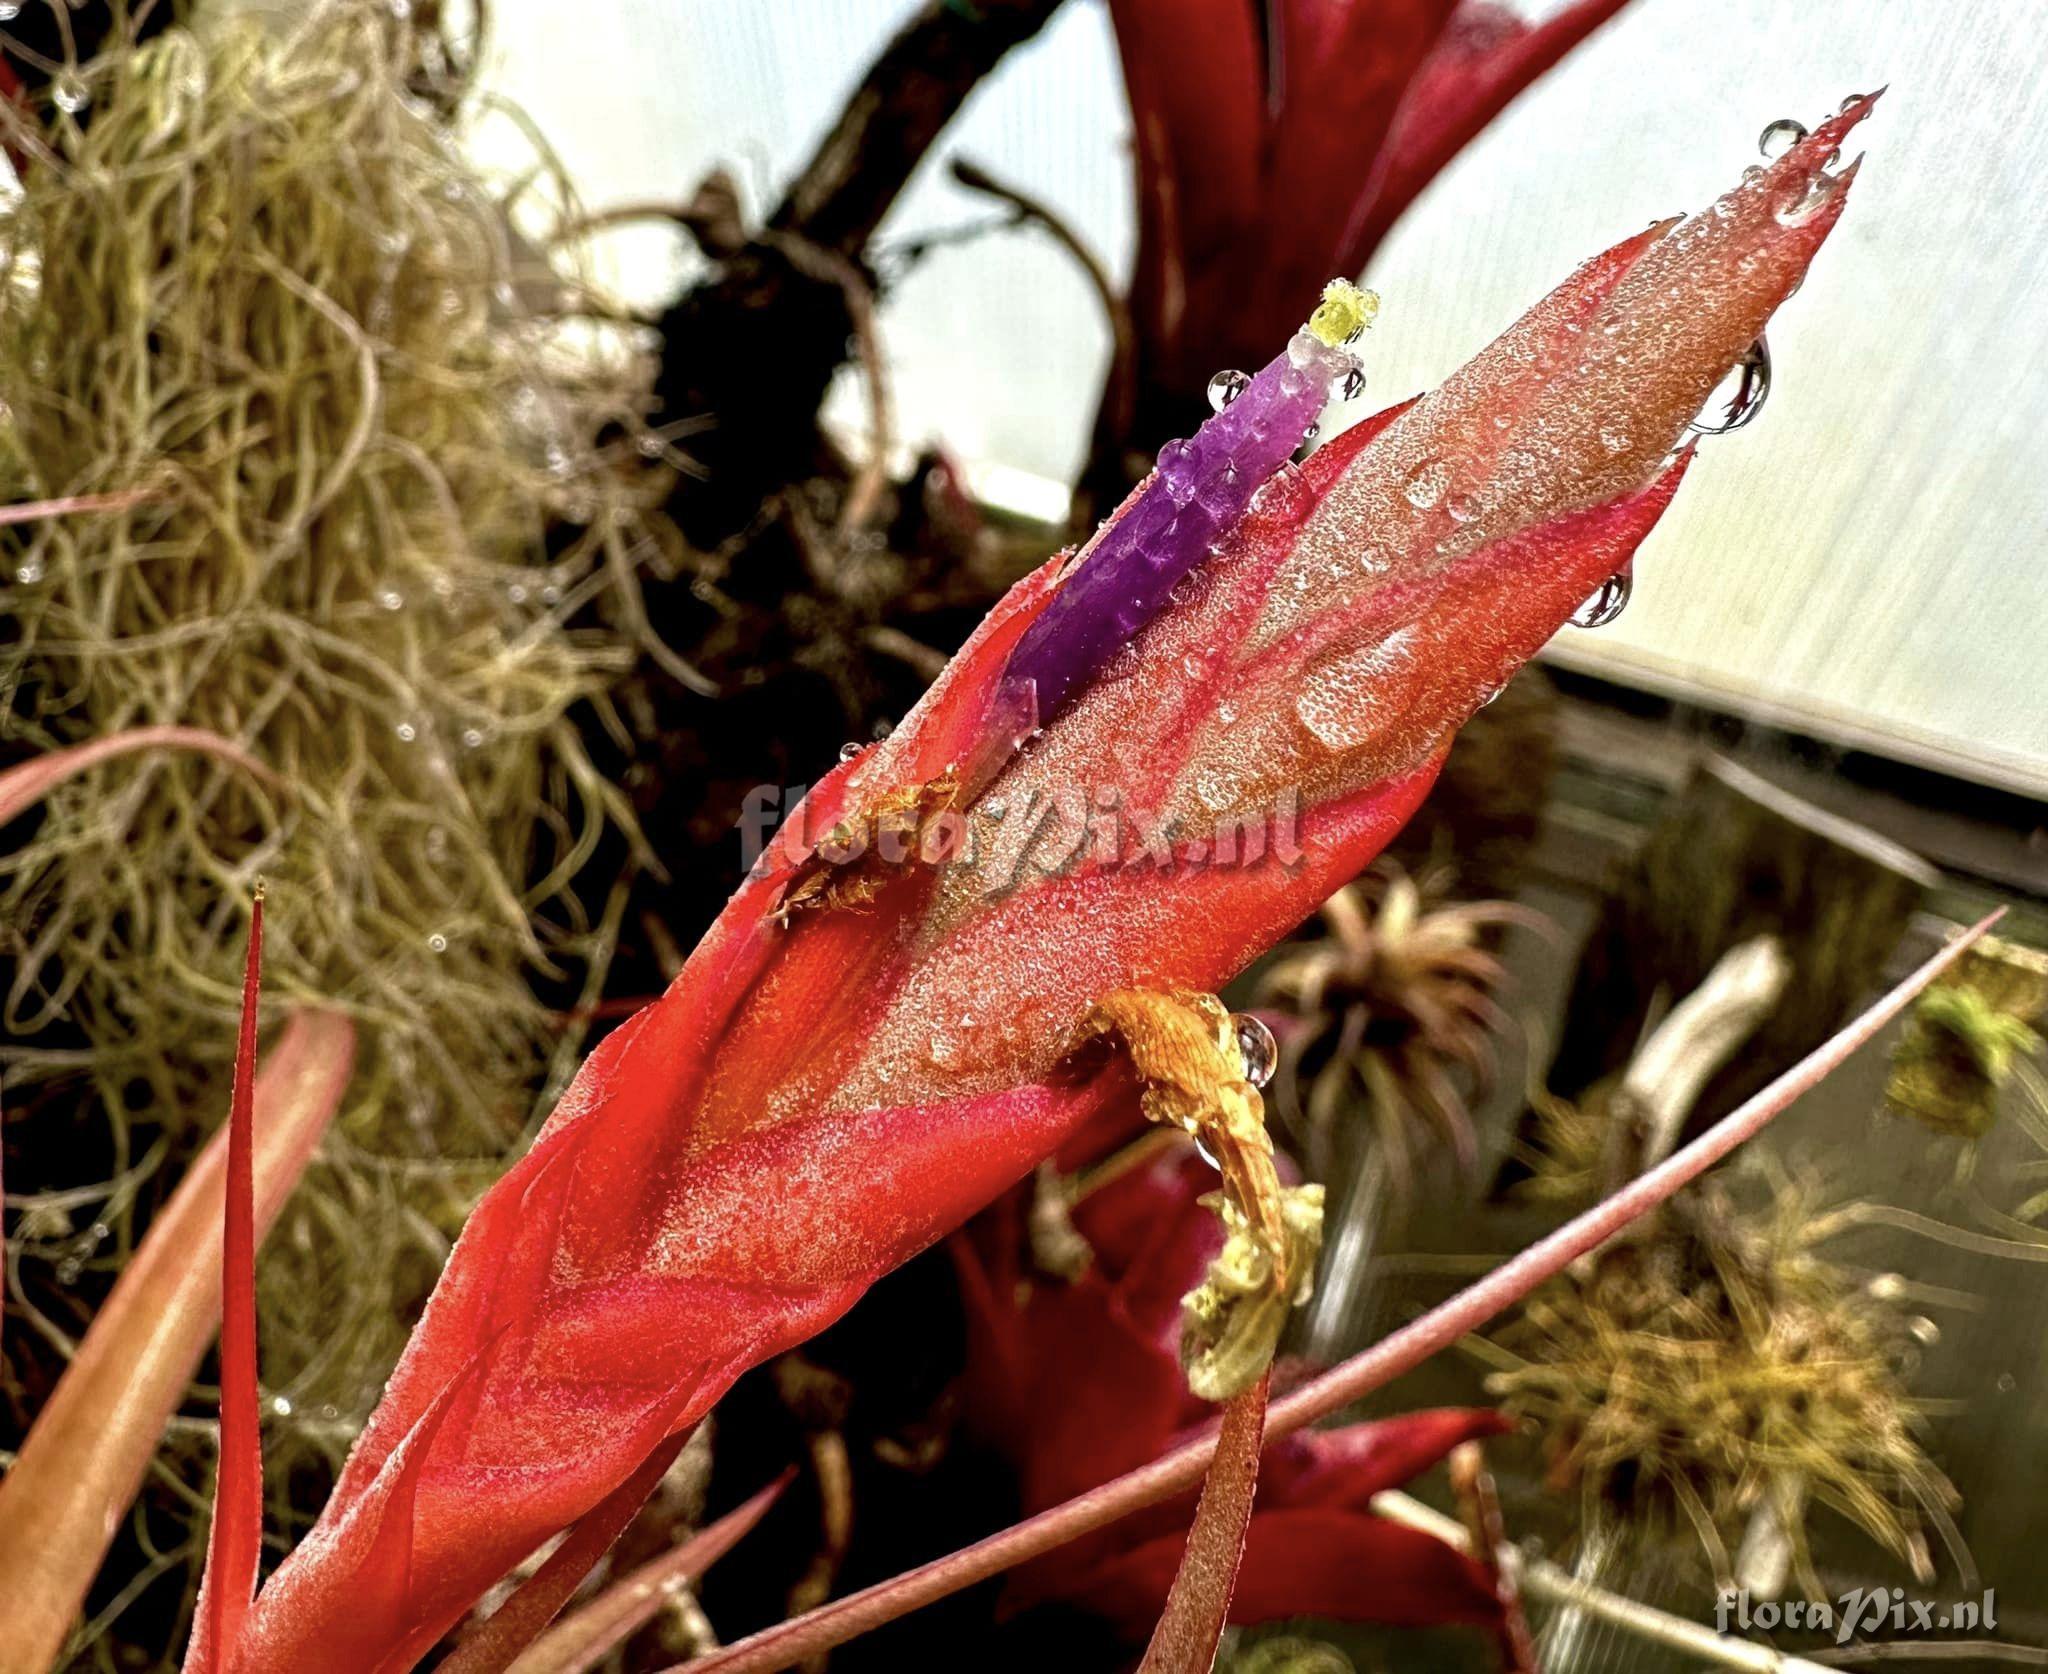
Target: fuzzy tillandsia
[
  {"x": 821, "y": 1094},
  {"x": 1715, "y": 1367},
  {"x": 332, "y": 494},
  {"x": 1393, "y": 999},
  {"x": 1970, "y": 1037}
]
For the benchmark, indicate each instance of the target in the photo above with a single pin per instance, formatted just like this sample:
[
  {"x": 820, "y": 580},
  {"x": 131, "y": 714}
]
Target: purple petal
[{"x": 1175, "y": 519}]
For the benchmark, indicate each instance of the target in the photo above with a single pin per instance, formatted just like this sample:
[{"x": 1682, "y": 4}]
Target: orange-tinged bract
[{"x": 860, "y": 1054}]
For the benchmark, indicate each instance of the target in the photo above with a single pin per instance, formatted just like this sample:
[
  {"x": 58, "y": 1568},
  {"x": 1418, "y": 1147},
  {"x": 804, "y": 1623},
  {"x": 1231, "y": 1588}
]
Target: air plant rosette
[
  {"x": 1700, "y": 1387},
  {"x": 1385, "y": 1025},
  {"x": 347, "y": 515},
  {"x": 1970, "y": 1038}
]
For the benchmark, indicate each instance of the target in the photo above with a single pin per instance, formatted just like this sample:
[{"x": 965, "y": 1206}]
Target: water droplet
[
  {"x": 1255, "y": 1044},
  {"x": 406, "y": 731},
  {"x": 68, "y": 1271},
  {"x": 1285, "y": 496},
  {"x": 651, "y": 447},
  {"x": 1353, "y": 385},
  {"x": 1613, "y": 437},
  {"x": 1607, "y": 604},
  {"x": 9, "y": 10},
  {"x": 1751, "y": 384},
  {"x": 472, "y": 738},
  {"x": 1925, "y": 1331},
  {"x": 1343, "y": 700},
  {"x": 849, "y": 750},
  {"x": 281, "y": 1405},
  {"x": 516, "y": 592},
  {"x": 1226, "y": 387},
  {"x": 1314, "y": 430},
  {"x": 1804, "y": 201},
  {"x": 1780, "y": 136},
  {"x": 1426, "y": 483},
  {"x": 1372, "y": 560},
  {"x": 2007, "y": 1383},
  {"x": 1463, "y": 507},
  {"x": 30, "y": 573},
  {"x": 1177, "y": 471},
  {"x": 1752, "y": 174},
  {"x": 69, "y": 94},
  {"x": 437, "y": 943},
  {"x": 390, "y": 598}
]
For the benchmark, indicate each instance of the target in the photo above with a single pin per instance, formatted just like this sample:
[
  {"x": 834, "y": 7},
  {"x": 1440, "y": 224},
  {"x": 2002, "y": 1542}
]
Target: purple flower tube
[{"x": 1181, "y": 513}]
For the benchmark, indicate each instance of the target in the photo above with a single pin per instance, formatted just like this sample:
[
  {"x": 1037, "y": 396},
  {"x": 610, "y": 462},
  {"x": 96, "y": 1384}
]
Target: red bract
[
  {"x": 1078, "y": 1381},
  {"x": 1276, "y": 144},
  {"x": 858, "y": 1056}
]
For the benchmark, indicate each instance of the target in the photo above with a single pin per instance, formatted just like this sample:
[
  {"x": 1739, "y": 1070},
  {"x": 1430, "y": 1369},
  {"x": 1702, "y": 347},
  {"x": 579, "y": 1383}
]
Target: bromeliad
[
  {"x": 1277, "y": 141},
  {"x": 1148, "y": 764}
]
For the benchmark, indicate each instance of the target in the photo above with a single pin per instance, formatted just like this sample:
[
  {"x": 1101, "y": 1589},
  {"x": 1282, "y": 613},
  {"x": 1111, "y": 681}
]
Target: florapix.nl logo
[
  {"x": 1859, "y": 1613},
  {"x": 1002, "y": 840}
]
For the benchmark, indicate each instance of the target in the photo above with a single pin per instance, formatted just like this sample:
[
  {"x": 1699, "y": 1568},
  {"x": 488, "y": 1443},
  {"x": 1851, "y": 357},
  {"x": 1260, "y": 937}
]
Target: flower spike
[{"x": 822, "y": 1094}]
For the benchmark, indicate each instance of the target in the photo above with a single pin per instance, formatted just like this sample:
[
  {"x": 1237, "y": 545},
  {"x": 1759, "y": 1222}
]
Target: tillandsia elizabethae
[
  {"x": 1389, "y": 1005},
  {"x": 846, "y": 1068}
]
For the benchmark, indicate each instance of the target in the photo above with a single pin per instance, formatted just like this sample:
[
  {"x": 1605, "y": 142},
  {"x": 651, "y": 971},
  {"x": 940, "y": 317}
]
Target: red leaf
[
  {"x": 514, "y": 1626},
  {"x": 582, "y": 1640},
  {"x": 1164, "y": 1478},
  {"x": 1342, "y": 1469},
  {"x": 236, "y": 1540},
  {"x": 63, "y": 1498},
  {"x": 1483, "y": 59}
]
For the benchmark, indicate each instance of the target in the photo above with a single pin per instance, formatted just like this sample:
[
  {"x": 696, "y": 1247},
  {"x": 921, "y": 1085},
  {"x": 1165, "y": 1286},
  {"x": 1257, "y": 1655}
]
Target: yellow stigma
[{"x": 1344, "y": 312}]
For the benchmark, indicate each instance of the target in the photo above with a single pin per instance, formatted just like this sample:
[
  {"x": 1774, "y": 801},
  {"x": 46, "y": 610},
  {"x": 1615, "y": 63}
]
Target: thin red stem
[
  {"x": 1174, "y": 1473},
  {"x": 1191, "y": 1625}
]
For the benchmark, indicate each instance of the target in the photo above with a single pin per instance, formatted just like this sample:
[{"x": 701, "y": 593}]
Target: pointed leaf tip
[
  {"x": 235, "y": 1542},
  {"x": 61, "y": 1502}
]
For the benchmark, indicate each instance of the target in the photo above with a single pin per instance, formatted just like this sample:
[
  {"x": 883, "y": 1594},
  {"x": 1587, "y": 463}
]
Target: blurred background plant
[{"x": 373, "y": 511}]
